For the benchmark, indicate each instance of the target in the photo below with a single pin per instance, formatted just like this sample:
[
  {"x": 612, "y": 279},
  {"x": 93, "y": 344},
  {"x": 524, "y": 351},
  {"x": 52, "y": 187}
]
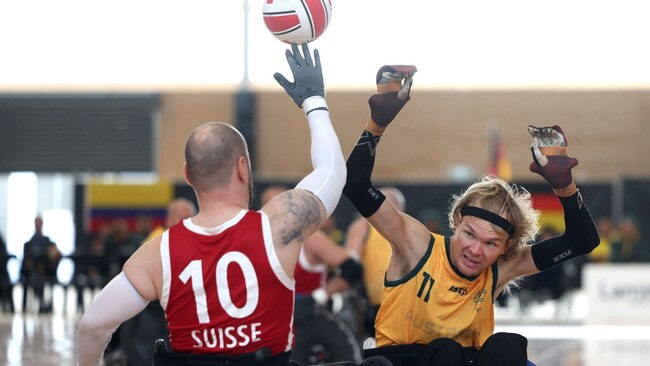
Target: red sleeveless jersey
[
  {"x": 308, "y": 276},
  {"x": 224, "y": 290}
]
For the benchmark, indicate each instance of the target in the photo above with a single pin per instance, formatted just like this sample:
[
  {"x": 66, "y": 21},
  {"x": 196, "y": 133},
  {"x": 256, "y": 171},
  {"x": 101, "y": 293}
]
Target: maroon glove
[
  {"x": 391, "y": 95},
  {"x": 550, "y": 157}
]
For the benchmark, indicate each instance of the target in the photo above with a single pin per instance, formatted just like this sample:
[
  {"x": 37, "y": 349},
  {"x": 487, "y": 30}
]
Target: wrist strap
[{"x": 313, "y": 104}]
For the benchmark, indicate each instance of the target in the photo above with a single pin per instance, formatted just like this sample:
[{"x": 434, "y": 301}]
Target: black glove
[
  {"x": 550, "y": 157},
  {"x": 308, "y": 79},
  {"x": 391, "y": 95}
]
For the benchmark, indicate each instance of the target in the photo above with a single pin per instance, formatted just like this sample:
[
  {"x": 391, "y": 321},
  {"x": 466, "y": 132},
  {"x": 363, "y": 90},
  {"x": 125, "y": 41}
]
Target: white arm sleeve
[
  {"x": 118, "y": 302},
  {"x": 327, "y": 179}
]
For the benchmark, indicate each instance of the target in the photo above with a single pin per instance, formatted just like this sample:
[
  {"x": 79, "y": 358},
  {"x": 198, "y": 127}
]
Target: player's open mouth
[{"x": 470, "y": 262}]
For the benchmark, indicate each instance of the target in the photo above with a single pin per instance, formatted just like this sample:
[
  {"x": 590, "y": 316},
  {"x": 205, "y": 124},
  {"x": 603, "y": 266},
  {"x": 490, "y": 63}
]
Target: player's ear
[
  {"x": 243, "y": 170},
  {"x": 186, "y": 175}
]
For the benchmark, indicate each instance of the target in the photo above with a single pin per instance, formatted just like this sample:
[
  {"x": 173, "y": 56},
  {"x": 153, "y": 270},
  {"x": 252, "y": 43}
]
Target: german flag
[
  {"x": 551, "y": 212},
  {"x": 499, "y": 164}
]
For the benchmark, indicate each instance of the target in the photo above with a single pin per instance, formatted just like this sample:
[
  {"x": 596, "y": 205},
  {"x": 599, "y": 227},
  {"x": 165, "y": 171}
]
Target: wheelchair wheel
[
  {"x": 323, "y": 337},
  {"x": 138, "y": 334}
]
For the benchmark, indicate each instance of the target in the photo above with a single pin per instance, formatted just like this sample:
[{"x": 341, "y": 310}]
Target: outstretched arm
[
  {"x": 298, "y": 213},
  {"x": 390, "y": 98},
  {"x": 551, "y": 161},
  {"x": 393, "y": 87}
]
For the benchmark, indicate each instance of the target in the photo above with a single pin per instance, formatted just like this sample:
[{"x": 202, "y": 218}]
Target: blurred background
[{"x": 97, "y": 99}]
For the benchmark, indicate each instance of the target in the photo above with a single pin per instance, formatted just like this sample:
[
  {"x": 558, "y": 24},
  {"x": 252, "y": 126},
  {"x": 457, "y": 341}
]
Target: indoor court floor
[{"x": 555, "y": 338}]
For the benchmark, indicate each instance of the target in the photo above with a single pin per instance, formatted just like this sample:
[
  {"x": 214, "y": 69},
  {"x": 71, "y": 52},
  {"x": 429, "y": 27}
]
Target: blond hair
[{"x": 507, "y": 200}]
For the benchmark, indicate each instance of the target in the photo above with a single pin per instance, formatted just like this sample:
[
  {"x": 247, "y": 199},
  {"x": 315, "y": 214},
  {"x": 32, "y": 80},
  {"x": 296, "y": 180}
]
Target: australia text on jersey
[{"x": 433, "y": 330}]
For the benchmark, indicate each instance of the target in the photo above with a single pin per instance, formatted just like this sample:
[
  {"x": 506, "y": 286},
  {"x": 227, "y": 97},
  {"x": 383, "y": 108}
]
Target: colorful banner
[{"x": 131, "y": 202}]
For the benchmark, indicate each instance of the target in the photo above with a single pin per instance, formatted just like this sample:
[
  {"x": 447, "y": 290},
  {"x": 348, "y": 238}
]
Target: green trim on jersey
[
  {"x": 447, "y": 249},
  {"x": 495, "y": 278},
  {"x": 415, "y": 270}
]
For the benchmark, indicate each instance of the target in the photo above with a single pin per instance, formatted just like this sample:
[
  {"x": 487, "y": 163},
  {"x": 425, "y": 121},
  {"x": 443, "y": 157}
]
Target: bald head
[{"x": 211, "y": 152}]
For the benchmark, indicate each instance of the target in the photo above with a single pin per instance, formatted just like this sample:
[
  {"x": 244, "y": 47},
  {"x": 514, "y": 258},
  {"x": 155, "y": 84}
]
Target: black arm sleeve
[
  {"x": 580, "y": 236},
  {"x": 358, "y": 188}
]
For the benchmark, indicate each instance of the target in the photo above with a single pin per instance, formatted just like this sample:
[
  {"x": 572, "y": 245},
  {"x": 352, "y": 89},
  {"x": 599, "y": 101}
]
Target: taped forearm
[
  {"x": 358, "y": 187},
  {"x": 328, "y": 177},
  {"x": 580, "y": 236},
  {"x": 117, "y": 302}
]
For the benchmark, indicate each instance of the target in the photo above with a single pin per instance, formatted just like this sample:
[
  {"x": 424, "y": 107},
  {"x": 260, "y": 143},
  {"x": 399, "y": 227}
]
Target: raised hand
[
  {"x": 307, "y": 76},
  {"x": 393, "y": 92},
  {"x": 550, "y": 156}
]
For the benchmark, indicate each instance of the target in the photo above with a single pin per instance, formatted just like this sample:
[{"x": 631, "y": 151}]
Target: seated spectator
[
  {"x": 6, "y": 287},
  {"x": 630, "y": 245},
  {"x": 120, "y": 244},
  {"x": 40, "y": 260},
  {"x": 607, "y": 235}
]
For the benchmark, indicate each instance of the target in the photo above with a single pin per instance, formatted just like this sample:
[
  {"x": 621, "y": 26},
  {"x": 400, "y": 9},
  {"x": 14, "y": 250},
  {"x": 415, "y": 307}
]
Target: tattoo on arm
[{"x": 299, "y": 211}]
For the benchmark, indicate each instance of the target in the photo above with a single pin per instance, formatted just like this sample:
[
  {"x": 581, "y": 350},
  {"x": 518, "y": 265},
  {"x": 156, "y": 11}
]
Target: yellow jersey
[
  {"x": 602, "y": 252},
  {"x": 158, "y": 230},
  {"x": 435, "y": 301},
  {"x": 376, "y": 255}
]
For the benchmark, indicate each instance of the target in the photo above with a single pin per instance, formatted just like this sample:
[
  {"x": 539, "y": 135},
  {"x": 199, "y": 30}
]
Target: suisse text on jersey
[{"x": 234, "y": 336}]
